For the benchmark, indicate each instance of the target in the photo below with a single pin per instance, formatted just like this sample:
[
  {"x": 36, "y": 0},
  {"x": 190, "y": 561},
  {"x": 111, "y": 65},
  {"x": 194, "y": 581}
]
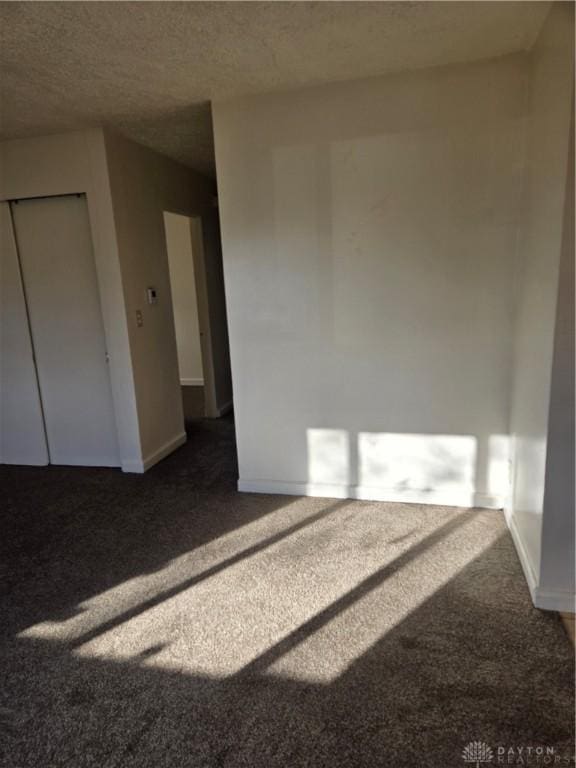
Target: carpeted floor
[{"x": 166, "y": 620}]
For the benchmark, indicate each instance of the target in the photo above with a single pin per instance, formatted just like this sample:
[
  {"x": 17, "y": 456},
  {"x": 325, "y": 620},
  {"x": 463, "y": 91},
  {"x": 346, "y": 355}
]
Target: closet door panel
[
  {"x": 22, "y": 438},
  {"x": 59, "y": 274}
]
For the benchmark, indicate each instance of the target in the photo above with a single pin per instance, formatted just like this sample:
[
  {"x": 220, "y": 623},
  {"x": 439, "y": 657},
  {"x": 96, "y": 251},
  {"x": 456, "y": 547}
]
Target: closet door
[
  {"x": 22, "y": 438},
  {"x": 59, "y": 275}
]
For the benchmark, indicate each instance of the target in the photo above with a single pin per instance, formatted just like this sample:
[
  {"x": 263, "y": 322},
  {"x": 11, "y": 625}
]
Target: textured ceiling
[{"x": 150, "y": 69}]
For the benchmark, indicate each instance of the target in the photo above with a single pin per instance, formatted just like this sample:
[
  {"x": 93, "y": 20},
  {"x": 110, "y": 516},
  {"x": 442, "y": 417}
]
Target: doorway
[{"x": 187, "y": 285}]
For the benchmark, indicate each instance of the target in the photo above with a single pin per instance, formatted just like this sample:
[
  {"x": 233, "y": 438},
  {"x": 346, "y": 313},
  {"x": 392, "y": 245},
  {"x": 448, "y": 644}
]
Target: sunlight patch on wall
[
  {"x": 422, "y": 468},
  {"x": 328, "y": 456},
  {"x": 499, "y": 465},
  {"x": 424, "y": 463}
]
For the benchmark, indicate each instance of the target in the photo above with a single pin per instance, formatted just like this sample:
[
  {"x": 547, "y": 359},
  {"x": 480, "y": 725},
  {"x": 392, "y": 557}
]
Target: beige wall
[
  {"x": 184, "y": 302},
  {"x": 550, "y": 98},
  {"x": 145, "y": 184},
  {"x": 369, "y": 233}
]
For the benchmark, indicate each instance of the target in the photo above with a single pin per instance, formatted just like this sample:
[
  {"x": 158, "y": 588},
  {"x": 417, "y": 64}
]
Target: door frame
[{"x": 201, "y": 284}]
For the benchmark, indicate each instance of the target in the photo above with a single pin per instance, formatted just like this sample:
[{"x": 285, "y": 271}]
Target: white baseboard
[
  {"x": 530, "y": 573},
  {"x": 133, "y": 467},
  {"x": 84, "y": 461},
  {"x": 372, "y": 493},
  {"x": 23, "y": 461},
  {"x": 555, "y": 600},
  {"x": 191, "y": 382},
  {"x": 224, "y": 409},
  {"x": 139, "y": 467},
  {"x": 63, "y": 461},
  {"x": 545, "y": 599}
]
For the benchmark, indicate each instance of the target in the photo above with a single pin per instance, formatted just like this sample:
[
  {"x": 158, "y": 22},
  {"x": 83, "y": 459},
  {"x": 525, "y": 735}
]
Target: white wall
[
  {"x": 557, "y": 578},
  {"x": 551, "y": 82},
  {"x": 70, "y": 163},
  {"x": 369, "y": 233},
  {"x": 184, "y": 302}
]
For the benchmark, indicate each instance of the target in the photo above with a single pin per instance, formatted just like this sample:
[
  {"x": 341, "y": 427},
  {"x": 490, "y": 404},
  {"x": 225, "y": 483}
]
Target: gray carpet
[{"x": 166, "y": 620}]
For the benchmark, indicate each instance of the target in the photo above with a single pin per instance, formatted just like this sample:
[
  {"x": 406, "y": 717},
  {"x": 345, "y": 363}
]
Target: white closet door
[
  {"x": 59, "y": 274},
  {"x": 22, "y": 438}
]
